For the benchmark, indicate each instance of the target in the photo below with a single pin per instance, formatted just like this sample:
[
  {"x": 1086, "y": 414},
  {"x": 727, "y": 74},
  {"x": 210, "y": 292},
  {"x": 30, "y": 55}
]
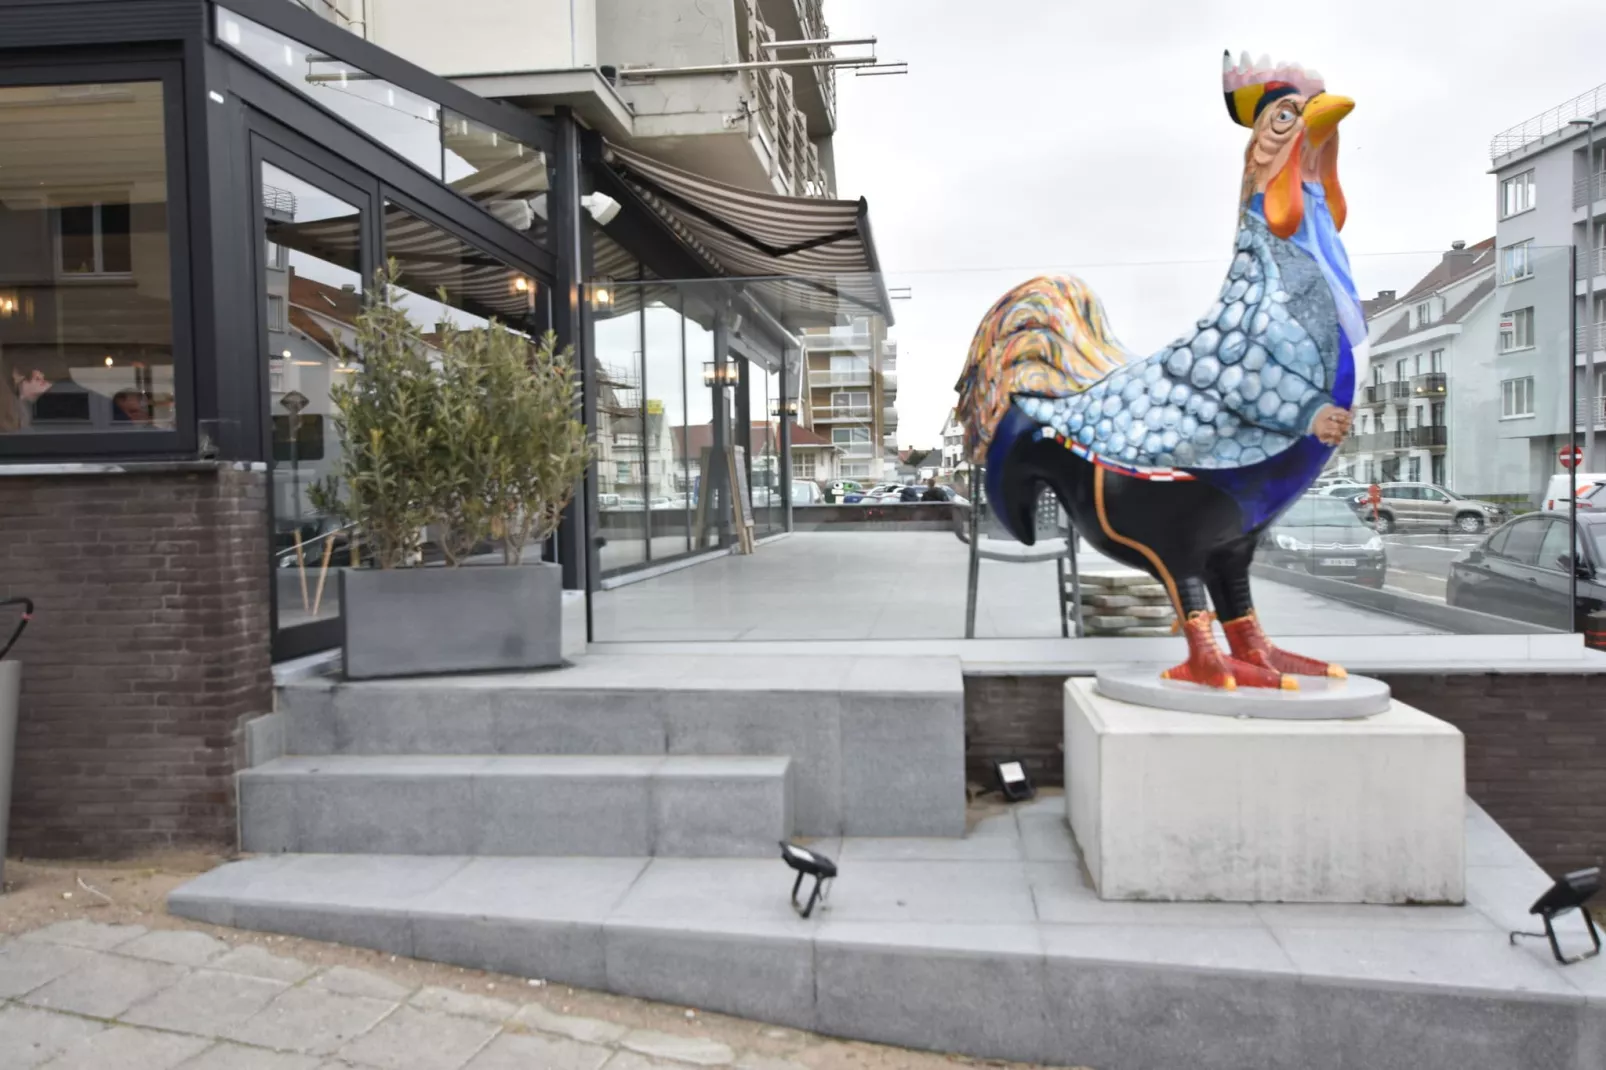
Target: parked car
[
  {"x": 1560, "y": 489},
  {"x": 806, "y": 493},
  {"x": 1426, "y": 506},
  {"x": 840, "y": 489},
  {"x": 1346, "y": 490},
  {"x": 1525, "y": 569},
  {"x": 1323, "y": 536}
]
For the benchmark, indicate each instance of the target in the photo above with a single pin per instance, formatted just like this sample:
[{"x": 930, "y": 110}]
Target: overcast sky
[{"x": 1090, "y": 136}]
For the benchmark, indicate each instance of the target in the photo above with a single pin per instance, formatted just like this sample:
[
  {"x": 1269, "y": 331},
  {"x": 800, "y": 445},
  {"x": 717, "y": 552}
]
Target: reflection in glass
[
  {"x": 312, "y": 297},
  {"x": 495, "y": 170},
  {"x": 697, "y": 433},
  {"x": 621, "y": 448},
  {"x": 478, "y": 287},
  {"x": 86, "y": 317},
  {"x": 669, "y": 500}
]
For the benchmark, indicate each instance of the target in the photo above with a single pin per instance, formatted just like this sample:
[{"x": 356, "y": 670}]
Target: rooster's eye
[{"x": 1285, "y": 116}]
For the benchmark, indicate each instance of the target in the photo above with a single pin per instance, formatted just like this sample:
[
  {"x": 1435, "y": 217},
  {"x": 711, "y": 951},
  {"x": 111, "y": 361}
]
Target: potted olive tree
[{"x": 469, "y": 435}]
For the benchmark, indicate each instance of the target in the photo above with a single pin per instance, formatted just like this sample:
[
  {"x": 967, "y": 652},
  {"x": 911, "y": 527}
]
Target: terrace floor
[{"x": 852, "y": 585}]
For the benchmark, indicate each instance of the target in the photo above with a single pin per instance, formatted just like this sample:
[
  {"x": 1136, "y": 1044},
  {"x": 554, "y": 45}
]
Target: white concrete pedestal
[{"x": 1187, "y": 806}]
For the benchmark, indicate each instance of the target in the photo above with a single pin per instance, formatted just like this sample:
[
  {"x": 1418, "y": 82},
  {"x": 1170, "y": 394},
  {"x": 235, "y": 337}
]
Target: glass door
[{"x": 313, "y": 256}]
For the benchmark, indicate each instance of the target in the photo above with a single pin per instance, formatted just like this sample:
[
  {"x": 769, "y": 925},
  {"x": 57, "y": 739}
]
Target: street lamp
[
  {"x": 720, "y": 373},
  {"x": 790, "y": 408},
  {"x": 1592, "y": 330}
]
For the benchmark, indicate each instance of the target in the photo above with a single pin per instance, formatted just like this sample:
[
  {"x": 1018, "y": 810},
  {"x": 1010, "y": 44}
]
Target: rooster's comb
[{"x": 1249, "y": 85}]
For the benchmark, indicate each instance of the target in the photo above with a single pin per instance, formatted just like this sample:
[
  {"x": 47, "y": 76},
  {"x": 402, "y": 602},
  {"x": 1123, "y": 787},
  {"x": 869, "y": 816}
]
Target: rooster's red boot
[{"x": 1249, "y": 644}]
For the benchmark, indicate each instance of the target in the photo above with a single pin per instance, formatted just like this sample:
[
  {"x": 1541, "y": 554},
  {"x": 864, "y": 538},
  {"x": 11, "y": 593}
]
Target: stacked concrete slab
[
  {"x": 656, "y": 756},
  {"x": 1125, "y": 602}
]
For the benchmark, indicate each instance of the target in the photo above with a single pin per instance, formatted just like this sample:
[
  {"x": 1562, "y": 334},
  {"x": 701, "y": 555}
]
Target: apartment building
[
  {"x": 953, "y": 443},
  {"x": 851, "y": 396},
  {"x": 1550, "y": 191},
  {"x": 1421, "y": 390}
]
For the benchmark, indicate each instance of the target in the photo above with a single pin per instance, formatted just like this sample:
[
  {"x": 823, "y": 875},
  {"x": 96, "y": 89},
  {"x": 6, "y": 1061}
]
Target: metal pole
[
  {"x": 785, "y": 439},
  {"x": 1591, "y": 331},
  {"x": 975, "y": 553},
  {"x": 1071, "y": 539},
  {"x": 639, "y": 73},
  {"x": 772, "y": 46},
  {"x": 576, "y": 548}
]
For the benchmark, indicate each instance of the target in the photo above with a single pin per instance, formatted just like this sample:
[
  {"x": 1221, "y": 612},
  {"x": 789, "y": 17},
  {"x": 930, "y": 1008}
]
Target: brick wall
[
  {"x": 1535, "y": 747},
  {"x": 150, "y": 645}
]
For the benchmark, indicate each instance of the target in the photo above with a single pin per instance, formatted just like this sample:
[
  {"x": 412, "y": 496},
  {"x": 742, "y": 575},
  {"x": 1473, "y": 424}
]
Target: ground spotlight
[
  {"x": 1013, "y": 782},
  {"x": 808, "y": 864},
  {"x": 1571, "y": 892}
]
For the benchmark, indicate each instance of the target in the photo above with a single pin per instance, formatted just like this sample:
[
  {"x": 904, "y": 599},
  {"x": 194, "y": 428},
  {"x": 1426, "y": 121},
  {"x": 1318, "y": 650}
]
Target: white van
[{"x": 1558, "y": 493}]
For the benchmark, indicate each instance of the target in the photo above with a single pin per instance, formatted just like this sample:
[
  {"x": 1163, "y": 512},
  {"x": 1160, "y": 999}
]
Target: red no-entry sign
[{"x": 1570, "y": 456}]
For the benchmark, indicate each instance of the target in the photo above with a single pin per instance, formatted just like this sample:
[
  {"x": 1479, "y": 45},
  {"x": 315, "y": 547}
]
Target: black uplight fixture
[
  {"x": 1571, "y": 892},
  {"x": 808, "y": 864},
  {"x": 1013, "y": 782}
]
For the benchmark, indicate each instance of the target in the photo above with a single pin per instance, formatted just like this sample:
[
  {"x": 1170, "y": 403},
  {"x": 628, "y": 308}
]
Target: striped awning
[
  {"x": 428, "y": 257},
  {"x": 812, "y": 261}
]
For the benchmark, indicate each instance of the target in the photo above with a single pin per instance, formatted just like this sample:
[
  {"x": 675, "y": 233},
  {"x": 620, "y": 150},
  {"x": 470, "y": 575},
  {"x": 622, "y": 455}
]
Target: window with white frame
[
  {"x": 1517, "y": 194},
  {"x": 1399, "y": 370},
  {"x": 848, "y": 403},
  {"x": 1517, "y": 330},
  {"x": 1377, "y": 375},
  {"x": 275, "y": 312},
  {"x": 1515, "y": 262},
  {"x": 1436, "y": 360},
  {"x": 1517, "y": 397},
  {"x": 1424, "y": 313},
  {"x": 803, "y": 465},
  {"x": 852, "y": 440},
  {"x": 1413, "y": 469},
  {"x": 856, "y": 471},
  {"x": 276, "y": 255}
]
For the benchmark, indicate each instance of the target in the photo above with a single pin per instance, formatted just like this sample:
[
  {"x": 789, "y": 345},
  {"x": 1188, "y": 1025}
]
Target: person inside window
[{"x": 18, "y": 392}]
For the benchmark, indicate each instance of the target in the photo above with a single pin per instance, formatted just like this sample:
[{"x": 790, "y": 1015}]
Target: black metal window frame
[{"x": 134, "y": 63}]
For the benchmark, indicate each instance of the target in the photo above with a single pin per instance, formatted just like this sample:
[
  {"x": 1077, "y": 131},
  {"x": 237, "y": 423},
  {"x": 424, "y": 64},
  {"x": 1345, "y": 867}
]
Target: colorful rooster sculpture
[{"x": 1176, "y": 463}]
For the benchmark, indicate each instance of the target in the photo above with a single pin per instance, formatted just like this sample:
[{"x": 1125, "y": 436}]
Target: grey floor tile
[
  {"x": 88, "y": 934},
  {"x": 106, "y": 987},
  {"x": 180, "y": 946},
  {"x": 525, "y": 1051},
  {"x": 228, "y": 1056},
  {"x": 29, "y": 1036},
  {"x": 311, "y": 1020},
  {"x": 1063, "y": 895},
  {"x": 25, "y": 965},
  {"x": 1450, "y": 960},
  {"x": 935, "y": 892},
  {"x": 122, "y": 1048},
  {"x": 254, "y": 961},
  {"x": 207, "y": 1002},
  {"x": 1220, "y": 947},
  {"x": 1045, "y": 836},
  {"x": 575, "y": 1027},
  {"x": 413, "y": 1039},
  {"x": 700, "y": 1051},
  {"x": 350, "y": 982},
  {"x": 972, "y": 848},
  {"x": 466, "y": 1004}
]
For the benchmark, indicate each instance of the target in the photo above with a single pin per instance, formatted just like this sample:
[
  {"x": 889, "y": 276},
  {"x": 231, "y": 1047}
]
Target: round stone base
[{"x": 1319, "y": 698}]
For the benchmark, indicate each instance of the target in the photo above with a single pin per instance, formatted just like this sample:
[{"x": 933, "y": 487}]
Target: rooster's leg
[
  {"x": 1206, "y": 663},
  {"x": 1229, "y": 589}
]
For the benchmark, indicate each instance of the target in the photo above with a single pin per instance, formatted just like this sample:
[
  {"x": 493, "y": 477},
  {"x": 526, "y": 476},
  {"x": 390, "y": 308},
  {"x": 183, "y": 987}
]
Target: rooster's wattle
[{"x": 1175, "y": 463}]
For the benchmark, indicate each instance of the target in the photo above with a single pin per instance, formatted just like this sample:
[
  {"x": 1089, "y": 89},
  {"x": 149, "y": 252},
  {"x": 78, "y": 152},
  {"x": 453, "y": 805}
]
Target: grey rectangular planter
[{"x": 480, "y": 617}]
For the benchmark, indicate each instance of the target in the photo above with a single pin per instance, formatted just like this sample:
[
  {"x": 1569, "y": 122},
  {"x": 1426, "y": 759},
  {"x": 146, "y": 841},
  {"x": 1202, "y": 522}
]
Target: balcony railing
[
  {"x": 1600, "y": 412},
  {"x": 1383, "y": 393},
  {"x": 855, "y": 449},
  {"x": 856, "y": 377},
  {"x": 1581, "y": 188},
  {"x": 1429, "y": 436},
  {"x": 1429, "y": 385},
  {"x": 1586, "y": 333},
  {"x": 1587, "y": 259},
  {"x": 1380, "y": 441},
  {"x": 1552, "y": 121},
  {"x": 889, "y": 417},
  {"x": 843, "y": 412}
]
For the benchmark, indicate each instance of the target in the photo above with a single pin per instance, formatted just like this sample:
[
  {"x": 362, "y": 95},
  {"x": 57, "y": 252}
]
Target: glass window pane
[
  {"x": 403, "y": 122},
  {"x": 1522, "y": 545},
  {"x": 669, "y": 498},
  {"x": 502, "y": 174},
  {"x": 621, "y": 453},
  {"x": 311, "y": 303},
  {"x": 86, "y": 333},
  {"x": 1557, "y": 544}
]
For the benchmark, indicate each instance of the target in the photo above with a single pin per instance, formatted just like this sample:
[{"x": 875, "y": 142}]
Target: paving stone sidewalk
[{"x": 81, "y": 995}]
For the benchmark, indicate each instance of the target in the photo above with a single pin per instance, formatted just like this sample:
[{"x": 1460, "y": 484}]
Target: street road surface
[{"x": 1420, "y": 564}]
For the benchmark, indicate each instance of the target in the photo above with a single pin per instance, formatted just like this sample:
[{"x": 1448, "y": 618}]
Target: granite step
[{"x": 611, "y": 805}]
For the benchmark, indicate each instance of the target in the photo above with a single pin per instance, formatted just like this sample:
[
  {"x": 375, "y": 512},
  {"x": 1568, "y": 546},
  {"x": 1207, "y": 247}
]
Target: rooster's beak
[{"x": 1322, "y": 116}]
